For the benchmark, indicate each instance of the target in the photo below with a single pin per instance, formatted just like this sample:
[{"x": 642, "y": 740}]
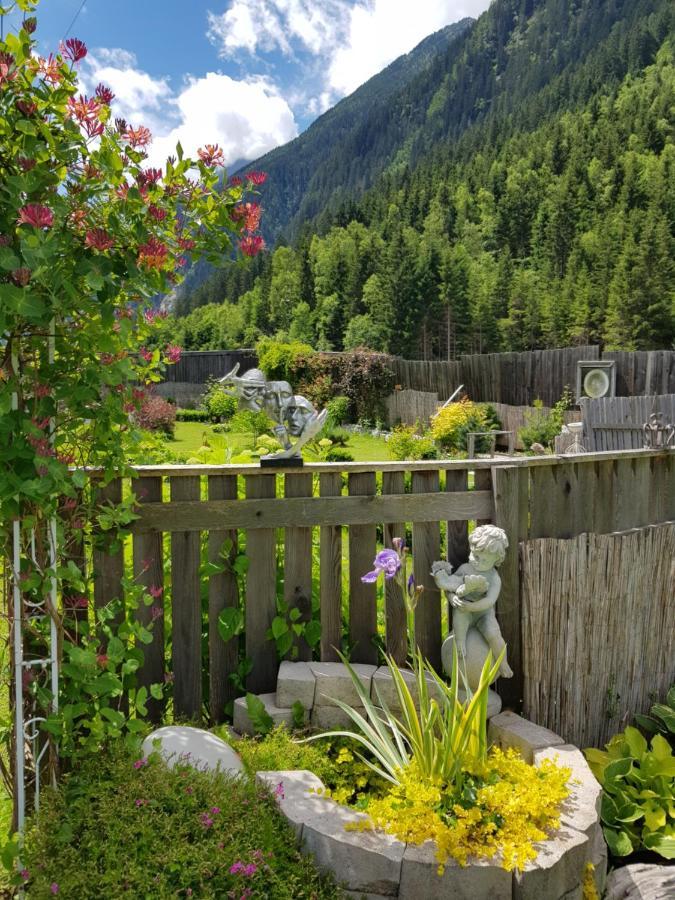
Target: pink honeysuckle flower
[
  {"x": 173, "y": 353},
  {"x": 49, "y": 68},
  {"x": 251, "y": 245},
  {"x": 137, "y": 137},
  {"x": 235, "y": 181},
  {"x": 36, "y": 215},
  {"x": 146, "y": 356},
  {"x": 156, "y": 612},
  {"x": 53, "y": 888},
  {"x": 153, "y": 254},
  {"x": 157, "y": 213},
  {"x": 206, "y": 820},
  {"x": 257, "y": 177},
  {"x": 156, "y": 591},
  {"x": 26, "y": 163},
  {"x": 27, "y": 107},
  {"x": 104, "y": 94},
  {"x": 211, "y": 155},
  {"x": 73, "y": 49},
  {"x": 98, "y": 239},
  {"x": 279, "y": 790}
]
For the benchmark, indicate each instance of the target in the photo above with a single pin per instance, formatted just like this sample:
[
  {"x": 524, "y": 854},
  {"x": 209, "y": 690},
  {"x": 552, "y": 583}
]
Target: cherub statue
[{"x": 473, "y": 591}]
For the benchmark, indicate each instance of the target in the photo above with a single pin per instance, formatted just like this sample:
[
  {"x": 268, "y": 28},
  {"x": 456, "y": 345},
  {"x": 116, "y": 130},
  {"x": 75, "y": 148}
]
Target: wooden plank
[
  {"x": 307, "y": 512},
  {"x": 457, "y": 530},
  {"x": 148, "y": 567},
  {"x": 507, "y": 482},
  {"x": 261, "y": 592},
  {"x": 186, "y": 610},
  {"x": 426, "y": 550},
  {"x": 362, "y": 597},
  {"x": 223, "y": 593},
  {"x": 298, "y": 564},
  {"x": 395, "y": 609},
  {"x": 330, "y": 485},
  {"x": 482, "y": 483},
  {"x": 543, "y": 492}
]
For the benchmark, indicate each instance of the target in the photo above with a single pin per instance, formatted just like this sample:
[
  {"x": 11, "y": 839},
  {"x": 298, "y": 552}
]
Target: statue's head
[
  {"x": 298, "y": 412},
  {"x": 251, "y": 390},
  {"x": 278, "y": 395},
  {"x": 488, "y": 545}
]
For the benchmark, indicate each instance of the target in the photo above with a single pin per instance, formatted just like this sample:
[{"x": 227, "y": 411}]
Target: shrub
[
  {"x": 192, "y": 415},
  {"x": 125, "y": 827},
  {"x": 339, "y": 436},
  {"x": 338, "y": 454},
  {"x": 338, "y": 410},
  {"x": 150, "y": 448},
  {"x": 156, "y": 414},
  {"x": 405, "y": 443},
  {"x": 451, "y": 425},
  {"x": 541, "y": 425},
  {"x": 277, "y": 359},
  {"x": 247, "y": 422},
  {"x": 364, "y": 378},
  {"x": 218, "y": 404}
]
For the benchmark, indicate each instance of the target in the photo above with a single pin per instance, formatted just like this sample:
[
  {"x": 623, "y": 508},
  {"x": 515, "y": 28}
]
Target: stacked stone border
[{"x": 376, "y": 865}]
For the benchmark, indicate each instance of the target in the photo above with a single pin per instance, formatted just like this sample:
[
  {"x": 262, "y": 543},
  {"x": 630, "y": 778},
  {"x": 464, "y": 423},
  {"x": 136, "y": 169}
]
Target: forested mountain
[{"x": 525, "y": 198}]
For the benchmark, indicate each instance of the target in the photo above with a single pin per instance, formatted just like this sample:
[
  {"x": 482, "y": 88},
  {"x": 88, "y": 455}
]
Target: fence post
[{"x": 509, "y": 485}]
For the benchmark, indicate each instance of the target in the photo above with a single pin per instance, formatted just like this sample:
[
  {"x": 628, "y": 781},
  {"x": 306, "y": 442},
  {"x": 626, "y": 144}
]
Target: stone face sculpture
[
  {"x": 294, "y": 415},
  {"x": 473, "y": 591}
]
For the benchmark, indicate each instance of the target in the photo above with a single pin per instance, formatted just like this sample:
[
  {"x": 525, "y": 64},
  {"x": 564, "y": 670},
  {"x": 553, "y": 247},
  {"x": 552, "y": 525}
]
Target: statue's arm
[{"x": 488, "y": 601}]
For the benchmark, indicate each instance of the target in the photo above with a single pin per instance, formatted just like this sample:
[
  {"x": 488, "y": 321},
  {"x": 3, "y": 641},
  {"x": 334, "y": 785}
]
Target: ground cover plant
[{"x": 185, "y": 833}]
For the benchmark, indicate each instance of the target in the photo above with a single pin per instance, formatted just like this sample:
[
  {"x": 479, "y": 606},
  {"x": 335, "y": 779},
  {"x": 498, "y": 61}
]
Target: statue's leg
[
  {"x": 489, "y": 628},
  {"x": 460, "y": 626}
]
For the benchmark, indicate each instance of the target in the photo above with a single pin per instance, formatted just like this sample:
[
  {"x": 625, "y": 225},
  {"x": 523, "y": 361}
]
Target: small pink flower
[
  {"x": 102, "y": 661},
  {"x": 173, "y": 353},
  {"x": 25, "y": 874},
  {"x": 141, "y": 802},
  {"x": 156, "y": 591},
  {"x": 250, "y": 870},
  {"x": 145, "y": 354},
  {"x": 104, "y": 94},
  {"x": 98, "y": 239},
  {"x": 36, "y": 215},
  {"x": 215, "y": 810},
  {"x": 54, "y": 888},
  {"x": 257, "y": 177},
  {"x": 139, "y": 763},
  {"x": 156, "y": 612},
  {"x": 279, "y": 790},
  {"x": 251, "y": 245},
  {"x": 74, "y": 50},
  {"x": 211, "y": 155},
  {"x": 236, "y": 868}
]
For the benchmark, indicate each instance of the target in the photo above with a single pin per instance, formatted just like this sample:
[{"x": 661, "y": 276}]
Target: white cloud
[{"x": 246, "y": 117}]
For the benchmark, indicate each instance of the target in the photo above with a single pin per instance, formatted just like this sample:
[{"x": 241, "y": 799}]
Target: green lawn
[{"x": 190, "y": 436}]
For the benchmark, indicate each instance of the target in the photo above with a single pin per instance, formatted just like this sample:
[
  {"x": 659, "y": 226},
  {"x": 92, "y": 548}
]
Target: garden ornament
[
  {"x": 473, "y": 591},
  {"x": 293, "y": 415}
]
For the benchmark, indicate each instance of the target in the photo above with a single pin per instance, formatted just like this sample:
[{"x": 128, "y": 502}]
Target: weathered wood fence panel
[
  {"x": 436, "y": 377},
  {"x": 598, "y": 629},
  {"x": 197, "y": 366},
  {"x": 616, "y": 423},
  {"x": 409, "y": 407}
]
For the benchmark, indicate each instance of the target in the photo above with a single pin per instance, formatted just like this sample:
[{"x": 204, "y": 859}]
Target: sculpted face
[
  {"x": 278, "y": 395},
  {"x": 483, "y": 560},
  {"x": 298, "y": 413},
  {"x": 251, "y": 390}
]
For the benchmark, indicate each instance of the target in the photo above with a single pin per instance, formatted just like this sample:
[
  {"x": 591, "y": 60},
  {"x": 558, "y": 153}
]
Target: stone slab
[
  {"x": 195, "y": 746},
  {"x": 382, "y": 686},
  {"x": 557, "y": 871},
  {"x": 280, "y": 716},
  {"x": 296, "y": 795},
  {"x": 333, "y": 682},
  {"x": 641, "y": 882},
  {"x": 480, "y": 879},
  {"x": 494, "y": 704},
  {"x": 510, "y": 730},
  {"x": 331, "y": 717},
  {"x": 581, "y": 810},
  {"x": 295, "y": 682}
]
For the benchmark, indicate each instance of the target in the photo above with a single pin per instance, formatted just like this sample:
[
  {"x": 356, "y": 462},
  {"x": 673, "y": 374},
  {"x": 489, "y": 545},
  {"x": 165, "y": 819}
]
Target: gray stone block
[
  {"x": 581, "y": 810},
  {"x": 557, "y": 871},
  {"x": 295, "y": 682},
  {"x": 599, "y": 860},
  {"x": 383, "y": 684},
  {"x": 242, "y": 722},
  {"x": 480, "y": 879},
  {"x": 296, "y": 795},
  {"x": 195, "y": 746},
  {"x": 641, "y": 882},
  {"x": 511, "y": 730},
  {"x": 331, "y": 717},
  {"x": 333, "y": 682}
]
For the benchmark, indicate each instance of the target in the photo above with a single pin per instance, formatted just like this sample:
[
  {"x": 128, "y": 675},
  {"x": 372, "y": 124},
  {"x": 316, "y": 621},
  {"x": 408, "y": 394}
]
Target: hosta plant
[
  {"x": 638, "y": 803},
  {"x": 661, "y": 718}
]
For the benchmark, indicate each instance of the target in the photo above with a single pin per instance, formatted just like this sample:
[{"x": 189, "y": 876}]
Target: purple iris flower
[
  {"x": 387, "y": 562},
  {"x": 411, "y": 585}
]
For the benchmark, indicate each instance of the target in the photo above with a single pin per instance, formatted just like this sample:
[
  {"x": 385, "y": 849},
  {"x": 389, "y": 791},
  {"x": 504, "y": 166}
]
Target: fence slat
[
  {"x": 362, "y": 605},
  {"x": 149, "y": 571},
  {"x": 426, "y": 549},
  {"x": 108, "y": 566},
  {"x": 261, "y": 592},
  {"x": 223, "y": 593},
  {"x": 507, "y": 482},
  {"x": 298, "y": 562},
  {"x": 330, "y": 485},
  {"x": 482, "y": 481},
  {"x": 186, "y": 610},
  {"x": 457, "y": 530},
  {"x": 395, "y": 611}
]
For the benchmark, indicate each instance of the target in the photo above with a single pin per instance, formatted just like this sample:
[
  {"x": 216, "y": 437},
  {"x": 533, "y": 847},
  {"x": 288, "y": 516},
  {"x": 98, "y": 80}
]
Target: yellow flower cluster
[
  {"x": 451, "y": 418},
  {"x": 515, "y": 805}
]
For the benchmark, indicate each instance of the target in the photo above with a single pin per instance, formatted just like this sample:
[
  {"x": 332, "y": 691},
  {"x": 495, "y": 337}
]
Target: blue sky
[{"x": 247, "y": 74}]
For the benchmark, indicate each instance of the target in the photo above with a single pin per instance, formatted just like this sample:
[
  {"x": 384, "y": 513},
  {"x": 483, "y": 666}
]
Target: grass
[{"x": 190, "y": 436}]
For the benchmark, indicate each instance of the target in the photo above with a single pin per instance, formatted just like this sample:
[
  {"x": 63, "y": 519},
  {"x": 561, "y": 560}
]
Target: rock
[
  {"x": 641, "y": 882},
  {"x": 295, "y": 682},
  {"x": 581, "y": 810},
  {"x": 558, "y": 870},
  {"x": 494, "y": 705},
  {"x": 333, "y": 682},
  {"x": 242, "y": 722},
  {"x": 327, "y": 718},
  {"x": 200, "y": 748},
  {"x": 480, "y": 879},
  {"x": 296, "y": 795},
  {"x": 511, "y": 730},
  {"x": 383, "y": 684},
  {"x": 476, "y": 654}
]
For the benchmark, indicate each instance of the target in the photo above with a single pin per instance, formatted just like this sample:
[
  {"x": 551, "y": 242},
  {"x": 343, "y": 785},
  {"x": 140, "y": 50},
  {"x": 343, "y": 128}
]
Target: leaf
[
  {"x": 141, "y": 698},
  {"x": 156, "y": 691},
  {"x": 313, "y": 632},
  {"x": 636, "y": 742},
  {"x": 663, "y": 844},
  {"x": 114, "y": 716},
  {"x": 230, "y": 622},
  {"x": 655, "y": 816},
  {"x": 618, "y": 842},
  {"x": 619, "y": 768},
  {"x": 298, "y": 713},
  {"x": 260, "y": 719},
  {"x": 284, "y": 643},
  {"x": 279, "y": 627},
  {"x": 661, "y": 748},
  {"x": 294, "y": 614}
]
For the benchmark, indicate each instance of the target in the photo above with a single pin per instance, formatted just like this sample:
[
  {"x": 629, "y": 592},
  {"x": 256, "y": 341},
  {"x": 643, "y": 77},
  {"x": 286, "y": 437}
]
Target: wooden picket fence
[{"x": 352, "y": 509}]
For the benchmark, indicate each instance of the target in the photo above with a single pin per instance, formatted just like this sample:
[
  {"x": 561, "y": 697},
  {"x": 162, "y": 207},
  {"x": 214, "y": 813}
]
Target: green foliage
[
  {"x": 338, "y": 411},
  {"x": 364, "y": 378},
  {"x": 260, "y": 719},
  {"x": 288, "y": 628},
  {"x": 542, "y": 426},
  {"x": 218, "y": 404},
  {"x": 638, "y": 780},
  {"x": 189, "y": 829},
  {"x": 256, "y": 424},
  {"x": 451, "y": 425},
  {"x": 661, "y": 718},
  {"x": 192, "y": 415},
  {"x": 277, "y": 359},
  {"x": 405, "y": 442},
  {"x": 338, "y": 454}
]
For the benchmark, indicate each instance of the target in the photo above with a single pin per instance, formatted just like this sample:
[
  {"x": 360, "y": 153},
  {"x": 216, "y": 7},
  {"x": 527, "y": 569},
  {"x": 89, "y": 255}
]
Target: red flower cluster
[
  {"x": 235, "y": 181},
  {"x": 157, "y": 213},
  {"x": 152, "y": 254},
  {"x": 73, "y": 49},
  {"x": 211, "y": 155},
  {"x": 249, "y": 213},
  {"x": 186, "y": 243},
  {"x": 251, "y": 245},
  {"x": 137, "y": 137},
  {"x": 98, "y": 239},
  {"x": 83, "y": 108},
  {"x": 104, "y": 94},
  {"x": 25, "y": 163},
  {"x": 8, "y": 71},
  {"x": 49, "y": 69},
  {"x": 36, "y": 215},
  {"x": 172, "y": 353},
  {"x": 145, "y": 354},
  {"x": 148, "y": 176},
  {"x": 26, "y": 107},
  {"x": 257, "y": 177},
  {"x": 21, "y": 277}
]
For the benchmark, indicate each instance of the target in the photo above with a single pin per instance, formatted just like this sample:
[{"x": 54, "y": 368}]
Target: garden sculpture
[
  {"x": 293, "y": 415},
  {"x": 473, "y": 591}
]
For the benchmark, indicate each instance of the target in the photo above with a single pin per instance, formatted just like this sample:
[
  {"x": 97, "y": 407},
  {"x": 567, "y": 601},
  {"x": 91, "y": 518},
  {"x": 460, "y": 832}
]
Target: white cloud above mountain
[{"x": 246, "y": 117}]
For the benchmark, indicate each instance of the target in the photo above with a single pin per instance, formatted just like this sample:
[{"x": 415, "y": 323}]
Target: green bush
[
  {"x": 256, "y": 424},
  {"x": 338, "y": 410},
  {"x": 339, "y": 436},
  {"x": 277, "y": 359},
  {"x": 338, "y": 454},
  {"x": 452, "y": 424},
  {"x": 133, "y": 828},
  {"x": 406, "y": 443},
  {"x": 218, "y": 405},
  {"x": 542, "y": 426},
  {"x": 192, "y": 415}
]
